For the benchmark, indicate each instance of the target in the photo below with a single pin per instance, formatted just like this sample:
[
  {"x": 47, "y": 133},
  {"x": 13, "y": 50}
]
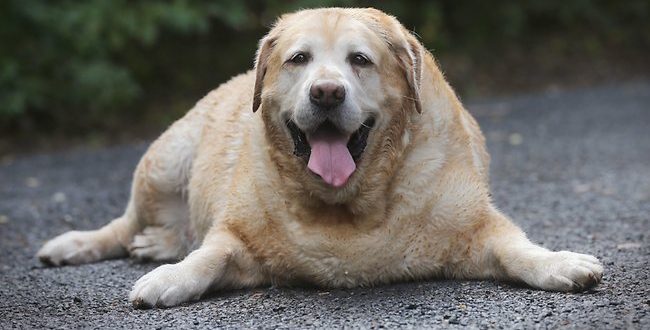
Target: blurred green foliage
[{"x": 74, "y": 66}]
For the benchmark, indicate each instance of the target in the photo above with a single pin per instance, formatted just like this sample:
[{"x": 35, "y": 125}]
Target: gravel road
[{"x": 572, "y": 168}]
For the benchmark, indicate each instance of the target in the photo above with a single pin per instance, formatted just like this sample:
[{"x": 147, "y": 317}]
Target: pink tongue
[{"x": 330, "y": 158}]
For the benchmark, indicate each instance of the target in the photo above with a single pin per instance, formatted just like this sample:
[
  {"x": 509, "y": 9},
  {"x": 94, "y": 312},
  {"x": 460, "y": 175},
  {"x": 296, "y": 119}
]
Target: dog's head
[{"x": 337, "y": 88}]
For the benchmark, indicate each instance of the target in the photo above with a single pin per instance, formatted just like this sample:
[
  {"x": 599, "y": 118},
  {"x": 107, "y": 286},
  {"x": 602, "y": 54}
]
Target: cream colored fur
[{"x": 223, "y": 185}]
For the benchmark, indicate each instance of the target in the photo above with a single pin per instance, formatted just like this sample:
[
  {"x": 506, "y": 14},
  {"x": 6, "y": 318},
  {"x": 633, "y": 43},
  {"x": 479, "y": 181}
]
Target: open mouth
[{"x": 330, "y": 153}]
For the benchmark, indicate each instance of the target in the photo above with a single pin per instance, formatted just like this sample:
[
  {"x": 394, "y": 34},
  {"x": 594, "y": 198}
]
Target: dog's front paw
[
  {"x": 566, "y": 271},
  {"x": 167, "y": 285},
  {"x": 71, "y": 248}
]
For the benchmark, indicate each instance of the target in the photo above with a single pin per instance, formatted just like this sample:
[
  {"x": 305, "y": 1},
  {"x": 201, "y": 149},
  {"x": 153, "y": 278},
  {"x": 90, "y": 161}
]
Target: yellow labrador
[{"x": 344, "y": 159}]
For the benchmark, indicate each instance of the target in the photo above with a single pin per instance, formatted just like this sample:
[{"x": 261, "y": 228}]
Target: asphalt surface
[{"x": 572, "y": 168}]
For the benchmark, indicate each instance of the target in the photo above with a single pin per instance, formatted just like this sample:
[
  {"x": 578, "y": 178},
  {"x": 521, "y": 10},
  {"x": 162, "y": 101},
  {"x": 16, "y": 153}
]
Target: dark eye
[
  {"x": 359, "y": 59},
  {"x": 299, "y": 58}
]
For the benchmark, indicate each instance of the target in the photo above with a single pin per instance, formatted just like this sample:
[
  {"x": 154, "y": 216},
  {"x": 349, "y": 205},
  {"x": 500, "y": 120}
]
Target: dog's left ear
[
  {"x": 261, "y": 63},
  {"x": 409, "y": 54}
]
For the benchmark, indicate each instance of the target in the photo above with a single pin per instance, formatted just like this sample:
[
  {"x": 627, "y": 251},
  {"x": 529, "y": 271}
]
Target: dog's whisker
[{"x": 409, "y": 98}]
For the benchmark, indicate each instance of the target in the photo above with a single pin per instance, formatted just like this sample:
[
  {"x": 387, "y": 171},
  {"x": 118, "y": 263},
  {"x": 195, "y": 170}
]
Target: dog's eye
[
  {"x": 359, "y": 59},
  {"x": 299, "y": 58}
]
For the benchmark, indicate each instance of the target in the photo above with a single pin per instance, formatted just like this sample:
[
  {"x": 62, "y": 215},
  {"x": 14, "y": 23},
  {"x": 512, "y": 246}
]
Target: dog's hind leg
[
  {"x": 78, "y": 247},
  {"x": 168, "y": 237},
  {"x": 157, "y": 208}
]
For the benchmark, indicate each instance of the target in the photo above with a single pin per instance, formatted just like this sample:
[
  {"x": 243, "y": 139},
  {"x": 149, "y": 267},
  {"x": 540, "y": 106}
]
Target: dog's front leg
[
  {"x": 218, "y": 263},
  {"x": 514, "y": 257}
]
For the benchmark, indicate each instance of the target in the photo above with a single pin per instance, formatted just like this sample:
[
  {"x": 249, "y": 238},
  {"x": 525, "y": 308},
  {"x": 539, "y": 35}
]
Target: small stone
[
  {"x": 515, "y": 139},
  {"x": 59, "y": 198},
  {"x": 32, "y": 182},
  {"x": 258, "y": 295},
  {"x": 581, "y": 188},
  {"x": 3, "y": 219},
  {"x": 628, "y": 246}
]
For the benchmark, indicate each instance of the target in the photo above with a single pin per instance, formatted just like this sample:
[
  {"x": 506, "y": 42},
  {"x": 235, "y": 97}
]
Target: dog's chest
[{"x": 347, "y": 255}]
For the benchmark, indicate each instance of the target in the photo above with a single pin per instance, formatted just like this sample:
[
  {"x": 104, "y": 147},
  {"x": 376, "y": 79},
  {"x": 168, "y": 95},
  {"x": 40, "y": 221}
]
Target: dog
[{"x": 343, "y": 159}]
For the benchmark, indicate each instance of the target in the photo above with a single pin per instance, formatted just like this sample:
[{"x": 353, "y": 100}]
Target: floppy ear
[
  {"x": 410, "y": 58},
  {"x": 261, "y": 63}
]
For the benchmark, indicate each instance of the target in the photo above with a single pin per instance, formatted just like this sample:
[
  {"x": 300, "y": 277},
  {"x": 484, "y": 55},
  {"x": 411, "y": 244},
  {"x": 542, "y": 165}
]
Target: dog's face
[{"x": 331, "y": 83}]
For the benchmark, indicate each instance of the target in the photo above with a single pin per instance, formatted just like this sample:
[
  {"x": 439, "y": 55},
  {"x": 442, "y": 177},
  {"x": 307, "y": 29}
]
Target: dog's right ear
[{"x": 261, "y": 62}]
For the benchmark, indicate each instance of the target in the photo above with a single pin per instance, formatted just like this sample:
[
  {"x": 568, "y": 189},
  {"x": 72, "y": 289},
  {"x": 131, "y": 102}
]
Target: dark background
[{"x": 105, "y": 71}]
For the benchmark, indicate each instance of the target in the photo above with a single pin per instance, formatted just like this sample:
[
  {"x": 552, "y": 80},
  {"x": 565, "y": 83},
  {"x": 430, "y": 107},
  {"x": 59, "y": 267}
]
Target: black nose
[{"x": 326, "y": 94}]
